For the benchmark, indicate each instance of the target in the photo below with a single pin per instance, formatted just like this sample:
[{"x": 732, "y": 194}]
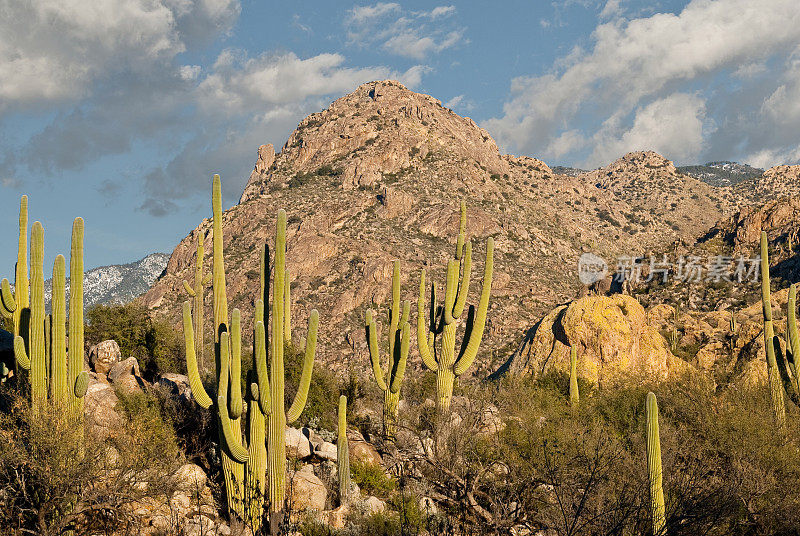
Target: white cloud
[
  {"x": 362, "y": 14},
  {"x": 671, "y": 126},
  {"x": 645, "y": 60},
  {"x": 410, "y": 34},
  {"x": 55, "y": 50}
]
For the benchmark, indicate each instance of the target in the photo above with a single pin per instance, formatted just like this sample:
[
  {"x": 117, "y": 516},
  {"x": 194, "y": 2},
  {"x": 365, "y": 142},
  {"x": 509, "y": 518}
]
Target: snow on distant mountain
[
  {"x": 722, "y": 173},
  {"x": 118, "y": 283}
]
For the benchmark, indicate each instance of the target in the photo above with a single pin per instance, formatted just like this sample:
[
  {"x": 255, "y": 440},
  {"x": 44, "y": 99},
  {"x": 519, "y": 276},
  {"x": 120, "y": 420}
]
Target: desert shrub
[
  {"x": 371, "y": 479},
  {"x": 156, "y": 344},
  {"x": 56, "y": 478}
]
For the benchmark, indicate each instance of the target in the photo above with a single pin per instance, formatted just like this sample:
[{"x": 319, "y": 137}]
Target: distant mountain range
[
  {"x": 722, "y": 173},
  {"x": 118, "y": 283}
]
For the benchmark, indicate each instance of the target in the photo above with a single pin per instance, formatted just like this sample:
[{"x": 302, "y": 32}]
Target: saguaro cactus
[
  {"x": 398, "y": 337},
  {"x": 775, "y": 384},
  {"x": 53, "y": 372},
  {"x": 343, "y": 454},
  {"x": 654, "y": 466},
  {"x": 196, "y": 291},
  {"x": 793, "y": 346},
  {"x": 574, "y": 395},
  {"x": 245, "y": 464},
  {"x": 445, "y": 319},
  {"x": 16, "y": 305}
]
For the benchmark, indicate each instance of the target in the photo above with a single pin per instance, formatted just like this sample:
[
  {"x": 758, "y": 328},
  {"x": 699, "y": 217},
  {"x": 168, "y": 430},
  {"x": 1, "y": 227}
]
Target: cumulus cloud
[
  {"x": 55, "y": 50},
  {"x": 672, "y": 126},
  {"x": 409, "y": 34},
  {"x": 645, "y": 60}
]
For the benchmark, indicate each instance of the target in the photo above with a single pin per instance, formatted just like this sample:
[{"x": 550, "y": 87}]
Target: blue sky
[{"x": 120, "y": 110}]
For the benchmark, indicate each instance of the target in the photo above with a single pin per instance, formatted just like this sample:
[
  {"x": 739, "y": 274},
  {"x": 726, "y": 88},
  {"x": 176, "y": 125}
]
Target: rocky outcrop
[
  {"x": 103, "y": 356},
  {"x": 614, "y": 338}
]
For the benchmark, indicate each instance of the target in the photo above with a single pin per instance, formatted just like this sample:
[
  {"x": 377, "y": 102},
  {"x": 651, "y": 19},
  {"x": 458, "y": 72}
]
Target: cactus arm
[
  {"x": 7, "y": 303},
  {"x": 261, "y": 367},
  {"x": 654, "y": 466},
  {"x": 188, "y": 288},
  {"x": 471, "y": 351},
  {"x": 236, "y": 405},
  {"x": 196, "y": 384},
  {"x": 20, "y": 354},
  {"x": 401, "y": 359},
  {"x": 422, "y": 332},
  {"x": 233, "y": 444},
  {"x": 574, "y": 394},
  {"x": 450, "y": 289},
  {"x": 301, "y": 397},
  {"x": 233, "y": 447},
  {"x": 372, "y": 342},
  {"x": 463, "y": 287}
]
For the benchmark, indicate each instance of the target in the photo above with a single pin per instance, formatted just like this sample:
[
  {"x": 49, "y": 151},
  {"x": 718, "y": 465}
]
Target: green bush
[
  {"x": 156, "y": 344},
  {"x": 371, "y": 479}
]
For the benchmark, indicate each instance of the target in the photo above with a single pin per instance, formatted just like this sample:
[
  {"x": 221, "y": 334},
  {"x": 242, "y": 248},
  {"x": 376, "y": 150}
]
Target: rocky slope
[
  {"x": 379, "y": 176},
  {"x": 118, "y": 283}
]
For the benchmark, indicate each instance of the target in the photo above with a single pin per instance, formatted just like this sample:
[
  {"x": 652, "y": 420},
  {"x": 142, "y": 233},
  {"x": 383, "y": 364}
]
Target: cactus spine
[
  {"x": 574, "y": 395},
  {"x": 56, "y": 376},
  {"x": 195, "y": 291},
  {"x": 654, "y": 466},
  {"x": 775, "y": 386},
  {"x": 245, "y": 465},
  {"x": 444, "y": 320},
  {"x": 398, "y": 337},
  {"x": 343, "y": 454}
]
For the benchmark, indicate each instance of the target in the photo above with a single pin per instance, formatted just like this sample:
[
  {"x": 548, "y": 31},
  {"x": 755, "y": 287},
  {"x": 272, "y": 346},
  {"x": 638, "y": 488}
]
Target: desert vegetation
[{"x": 252, "y": 410}]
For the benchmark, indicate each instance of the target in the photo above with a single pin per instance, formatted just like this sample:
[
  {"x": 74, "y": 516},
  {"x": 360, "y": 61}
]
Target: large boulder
[
  {"x": 126, "y": 377},
  {"x": 104, "y": 355},
  {"x": 307, "y": 490},
  {"x": 614, "y": 340},
  {"x": 297, "y": 444},
  {"x": 100, "y": 406}
]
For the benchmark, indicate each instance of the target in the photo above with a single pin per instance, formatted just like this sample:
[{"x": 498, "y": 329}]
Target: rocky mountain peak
[{"x": 379, "y": 129}]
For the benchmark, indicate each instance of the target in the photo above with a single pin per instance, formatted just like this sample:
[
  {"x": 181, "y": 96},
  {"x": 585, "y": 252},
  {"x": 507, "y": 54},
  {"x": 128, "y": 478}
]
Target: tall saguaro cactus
[
  {"x": 775, "y": 385},
  {"x": 245, "y": 464},
  {"x": 654, "y": 466},
  {"x": 56, "y": 376},
  {"x": 16, "y": 305},
  {"x": 196, "y": 291},
  {"x": 343, "y": 454},
  {"x": 391, "y": 380},
  {"x": 445, "y": 319}
]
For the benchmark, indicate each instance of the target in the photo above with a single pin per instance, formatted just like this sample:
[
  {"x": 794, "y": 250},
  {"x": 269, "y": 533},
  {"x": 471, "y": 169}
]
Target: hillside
[{"x": 379, "y": 176}]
